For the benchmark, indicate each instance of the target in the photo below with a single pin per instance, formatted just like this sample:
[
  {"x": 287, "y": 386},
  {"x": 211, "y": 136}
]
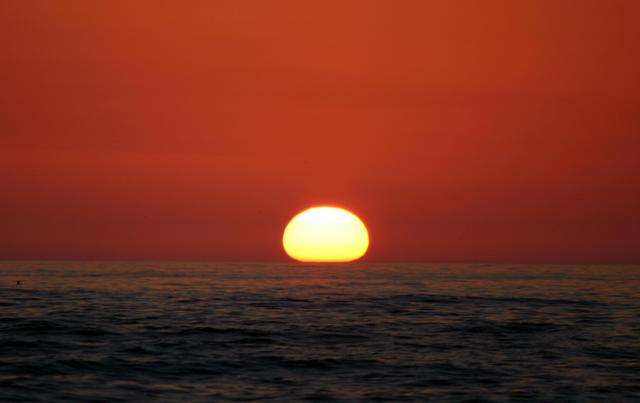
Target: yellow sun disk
[{"x": 325, "y": 234}]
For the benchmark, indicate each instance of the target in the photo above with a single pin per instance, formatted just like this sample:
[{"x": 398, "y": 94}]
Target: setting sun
[{"x": 325, "y": 234}]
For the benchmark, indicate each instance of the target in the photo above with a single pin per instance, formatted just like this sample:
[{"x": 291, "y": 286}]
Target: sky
[{"x": 459, "y": 131}]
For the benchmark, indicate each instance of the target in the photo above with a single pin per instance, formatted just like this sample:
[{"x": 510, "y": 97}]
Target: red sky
[{"x": 504, "y": 131}]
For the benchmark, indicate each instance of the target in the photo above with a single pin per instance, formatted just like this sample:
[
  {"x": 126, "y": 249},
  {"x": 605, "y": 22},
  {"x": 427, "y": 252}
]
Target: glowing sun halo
[{"x": 325, "y": 234}]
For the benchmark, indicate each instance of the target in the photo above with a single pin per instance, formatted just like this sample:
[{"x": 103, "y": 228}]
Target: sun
[{"x": 325, "y": 234}]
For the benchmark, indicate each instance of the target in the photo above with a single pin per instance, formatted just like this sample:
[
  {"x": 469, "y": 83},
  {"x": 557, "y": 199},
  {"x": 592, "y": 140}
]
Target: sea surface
[{"x": 136, "y": 331}]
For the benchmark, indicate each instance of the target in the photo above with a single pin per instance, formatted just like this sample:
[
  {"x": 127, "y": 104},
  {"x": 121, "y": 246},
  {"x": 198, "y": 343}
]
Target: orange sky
[{"x": 458, "y": 130}]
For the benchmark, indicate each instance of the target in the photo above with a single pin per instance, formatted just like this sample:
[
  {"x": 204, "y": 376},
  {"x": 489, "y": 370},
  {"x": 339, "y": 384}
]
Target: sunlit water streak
[{"x": 114, "y": 331}]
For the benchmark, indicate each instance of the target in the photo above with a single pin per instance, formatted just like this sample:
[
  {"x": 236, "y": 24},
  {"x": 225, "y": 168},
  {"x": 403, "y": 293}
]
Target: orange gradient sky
[{"x": 457, "y": 130}]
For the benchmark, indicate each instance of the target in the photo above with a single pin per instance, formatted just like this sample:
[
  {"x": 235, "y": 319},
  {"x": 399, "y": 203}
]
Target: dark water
[{"x": 232, "y": 331}]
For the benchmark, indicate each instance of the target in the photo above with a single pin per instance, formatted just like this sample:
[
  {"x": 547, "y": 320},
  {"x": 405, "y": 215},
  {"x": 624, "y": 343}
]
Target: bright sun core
[{"x": 325, "y": 234}]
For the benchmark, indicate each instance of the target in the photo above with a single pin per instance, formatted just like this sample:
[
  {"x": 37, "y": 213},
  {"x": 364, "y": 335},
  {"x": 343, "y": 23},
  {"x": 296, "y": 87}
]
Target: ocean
[{"x": 178, "y": 331}]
